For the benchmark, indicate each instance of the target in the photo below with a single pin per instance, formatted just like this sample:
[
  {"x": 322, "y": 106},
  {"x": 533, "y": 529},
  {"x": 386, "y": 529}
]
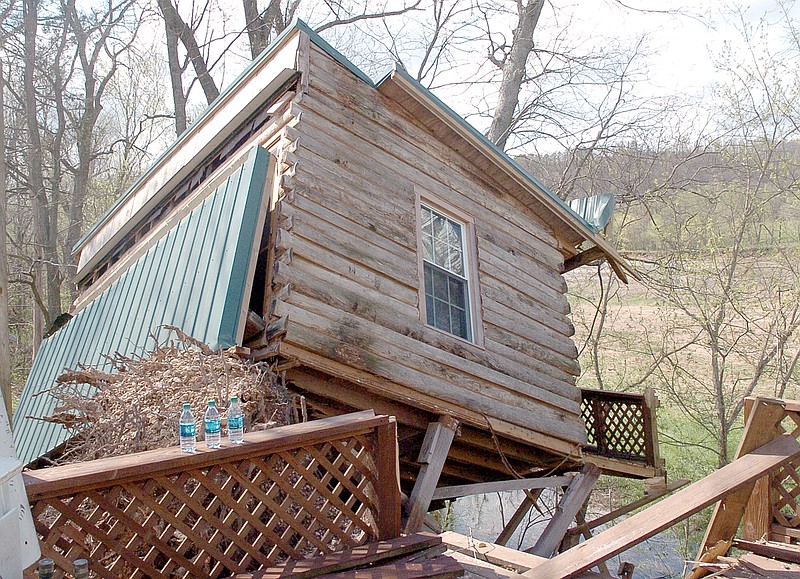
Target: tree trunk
[
  {"x": 257, "y": 27},
  {"x": 176, "y": 80},
  {"x": 186, "y": 35},
  {"x": 5, "y": 353},
  {"x": 34, "y": 160},
  {"x": 514, "y": 67}
]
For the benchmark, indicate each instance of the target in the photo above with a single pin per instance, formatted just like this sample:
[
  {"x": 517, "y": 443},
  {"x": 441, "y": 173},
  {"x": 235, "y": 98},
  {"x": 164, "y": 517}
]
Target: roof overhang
[
  {"x": 234, "y": 105},
  {"x": 569, "y": 227}
]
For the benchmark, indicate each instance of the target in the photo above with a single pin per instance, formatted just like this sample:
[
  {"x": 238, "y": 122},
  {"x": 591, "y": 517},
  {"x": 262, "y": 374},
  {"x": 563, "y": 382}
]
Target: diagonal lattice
[
  {"x": 618, "y": 425},
  {"x": 304, "y": 491}
]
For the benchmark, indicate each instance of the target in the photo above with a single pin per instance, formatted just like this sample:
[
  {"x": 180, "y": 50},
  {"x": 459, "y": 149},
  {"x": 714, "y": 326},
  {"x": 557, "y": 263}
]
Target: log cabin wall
[{"x": 346, "y": 273}]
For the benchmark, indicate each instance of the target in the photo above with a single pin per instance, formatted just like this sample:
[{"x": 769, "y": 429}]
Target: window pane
[
  {"x": 428, "y": 280},
  {"x": 442, "y": 313},
  {"x": 458, "y": 320},
  {"x": 444, "y": 269},
  {"x": 457, "y": 293},
  {"x": 427, "y": 220},
  {"x": 456, "y": 262},
  {"x": 427, "y": 247},
  {"x": 454, "y": 234}
]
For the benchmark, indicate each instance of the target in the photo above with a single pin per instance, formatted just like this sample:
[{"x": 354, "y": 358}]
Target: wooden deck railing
[
  {"x": 288, "y": 493},
  {"x": 773, "y": 512},
  {"x": 621, "y": 425}
]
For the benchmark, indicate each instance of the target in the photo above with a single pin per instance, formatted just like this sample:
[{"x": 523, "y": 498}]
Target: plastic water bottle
[
  {"x": 235, "y": 421},
  {"x": 211, "y": 420},
  {"x": 188, "y": 429},
  {"x": 80, "y": 569},
  {"x": 46, "y": 568}
]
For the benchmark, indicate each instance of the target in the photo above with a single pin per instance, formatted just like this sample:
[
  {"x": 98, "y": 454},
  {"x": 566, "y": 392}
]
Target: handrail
[{"x": 286, "y": 493}]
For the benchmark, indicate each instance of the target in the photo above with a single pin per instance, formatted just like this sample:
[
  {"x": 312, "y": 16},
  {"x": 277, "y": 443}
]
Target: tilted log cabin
[{"x": 369, "y": 240}]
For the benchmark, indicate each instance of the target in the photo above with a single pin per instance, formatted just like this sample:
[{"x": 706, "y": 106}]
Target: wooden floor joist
[{"x": 671, "y": 510}]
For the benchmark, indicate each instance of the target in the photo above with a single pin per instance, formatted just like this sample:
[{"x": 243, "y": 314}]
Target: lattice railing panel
[
  {"x": 785, "y": 483},
  {"x": 618, "y": 425},
  {"x": 279, "y": 496}
]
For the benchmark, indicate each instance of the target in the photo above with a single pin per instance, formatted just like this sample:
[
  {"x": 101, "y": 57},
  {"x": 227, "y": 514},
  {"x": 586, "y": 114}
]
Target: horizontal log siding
[{"x": 348, "y": 248}]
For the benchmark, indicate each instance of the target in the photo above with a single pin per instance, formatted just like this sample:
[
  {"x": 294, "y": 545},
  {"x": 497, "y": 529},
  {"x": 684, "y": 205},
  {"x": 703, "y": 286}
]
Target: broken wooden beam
[
  {"x": 432, "y": 456},
  {"x": 517, "y": 561},
  {"x": 780, "y": 551},
  {"x": 762, "y": 425},
  {"x": 522, "y": 484},
  {"x": 370, "y": 553},
  {"x": 632, "y": 506},
  {"x": 574, "y": 498},
  {"x": 522, "y": 511},
  {"x": 671, "y": 510}
]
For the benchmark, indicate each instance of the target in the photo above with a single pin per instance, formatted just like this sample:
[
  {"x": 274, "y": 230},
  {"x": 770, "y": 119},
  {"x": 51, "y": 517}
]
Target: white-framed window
[{"x": 446, "y": 265}]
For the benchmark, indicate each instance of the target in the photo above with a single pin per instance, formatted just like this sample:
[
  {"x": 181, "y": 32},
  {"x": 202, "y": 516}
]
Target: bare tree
[
  {"x": 513, "y": 62},
  {"x": 5, "y": 352}
]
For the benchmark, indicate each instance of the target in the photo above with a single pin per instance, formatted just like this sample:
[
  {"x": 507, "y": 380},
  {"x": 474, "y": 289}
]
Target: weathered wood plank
[
  {"x": 397, "y": 391},
  {"x": 349, "y": 558},
  {"x": 456, "y": 491},
  {"x": 400, "y": 125},
  {"x": 413, "y": 146},
  {"x": 492, "y": 553},
  {"x": 780, "y": 551},
  {"x": 432, "y": 456},
  {"x": 571, "y": 503},
  {"x": 478, "y": 568},
  {"x": 762, "y": 426},
  {"x": 433, "y": 361},
  {"x": 352, "y": 343},
  {"x": 770, "y": 567},
  {"x": 677, "y": 507}
]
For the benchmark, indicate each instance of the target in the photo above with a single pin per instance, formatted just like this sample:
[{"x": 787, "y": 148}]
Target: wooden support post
[
  {"x": 757, "y": 517},
  {"x": 649, "y": 406},
  {"x": 432, "y": 455},
  {"x": 525, "y": 506},
  {"x": 573, "y": 500},
  {"x": 762, "y": 425},
  {"x": 388, "y": 489},
  {"x": 571, "y": 540}
]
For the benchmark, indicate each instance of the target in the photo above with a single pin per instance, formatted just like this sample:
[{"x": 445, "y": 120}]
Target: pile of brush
[{"x": 134, "y": 404}]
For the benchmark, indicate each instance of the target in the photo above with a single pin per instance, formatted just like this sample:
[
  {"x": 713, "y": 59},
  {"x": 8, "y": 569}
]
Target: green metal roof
[{"x": 194, "y": 278}]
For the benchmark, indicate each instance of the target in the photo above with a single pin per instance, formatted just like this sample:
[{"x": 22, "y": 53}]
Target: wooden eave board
[
  {"x": 675, "y": 508},
  {"x": 232, "y": 107},
  {"x": 194, "y": 277}
]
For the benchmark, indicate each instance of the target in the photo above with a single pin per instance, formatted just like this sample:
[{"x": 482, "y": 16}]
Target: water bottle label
[
  {"x": 212, "y": 426},
  {"x": 187, "y": 429},
  {"x": 235, "y": 422}
]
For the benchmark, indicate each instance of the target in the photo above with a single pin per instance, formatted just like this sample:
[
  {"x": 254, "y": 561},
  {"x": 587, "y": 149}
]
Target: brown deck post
[
  {"x": 388, "y": 488},
  {"x": 432, "y": 455}
]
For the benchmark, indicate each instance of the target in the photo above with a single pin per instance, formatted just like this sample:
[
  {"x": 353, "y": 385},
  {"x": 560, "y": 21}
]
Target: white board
[{"x": 19, "y": 545}]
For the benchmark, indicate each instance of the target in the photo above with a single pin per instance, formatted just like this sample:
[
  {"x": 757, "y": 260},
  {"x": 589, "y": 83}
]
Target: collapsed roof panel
[{"x": 192, "y": 276}]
